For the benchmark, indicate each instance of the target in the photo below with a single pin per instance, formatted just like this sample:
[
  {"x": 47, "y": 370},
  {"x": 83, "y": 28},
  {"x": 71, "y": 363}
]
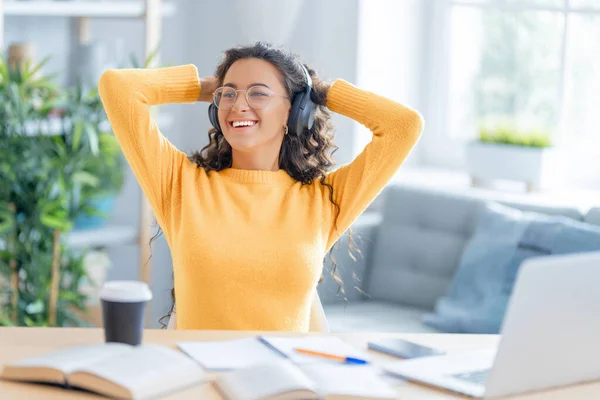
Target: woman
[{"x": 250, "y": 219}]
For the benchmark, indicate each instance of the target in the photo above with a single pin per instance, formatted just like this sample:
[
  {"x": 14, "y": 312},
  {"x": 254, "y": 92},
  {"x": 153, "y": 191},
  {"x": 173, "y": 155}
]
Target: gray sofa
[{"x": 411, "y": 239}]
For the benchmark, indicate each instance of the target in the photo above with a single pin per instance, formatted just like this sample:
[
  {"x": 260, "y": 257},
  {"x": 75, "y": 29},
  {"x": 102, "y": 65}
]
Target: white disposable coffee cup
[{"x": 123, "y": 310}]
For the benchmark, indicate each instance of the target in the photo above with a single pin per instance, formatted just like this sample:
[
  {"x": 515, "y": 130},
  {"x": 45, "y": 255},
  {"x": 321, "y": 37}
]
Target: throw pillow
[
  {"x": 479, "y": 292},
  {"x": 480, "y": 273}
]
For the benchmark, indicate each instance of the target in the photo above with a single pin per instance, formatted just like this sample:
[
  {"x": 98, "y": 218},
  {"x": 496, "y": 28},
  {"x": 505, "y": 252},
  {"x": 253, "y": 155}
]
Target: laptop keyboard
[{"x": 477, "y": 377}]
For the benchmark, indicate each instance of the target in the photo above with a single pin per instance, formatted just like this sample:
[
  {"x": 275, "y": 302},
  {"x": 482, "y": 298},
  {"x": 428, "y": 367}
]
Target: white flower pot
[
  {"x": 536, "y": 167},
  {"x": 96, "y": 264}
]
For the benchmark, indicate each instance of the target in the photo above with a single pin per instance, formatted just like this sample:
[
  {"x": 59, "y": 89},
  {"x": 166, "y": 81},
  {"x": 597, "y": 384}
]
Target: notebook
[
  {"x": 112, "y": 369},
  {"x": 283, "y": 380},
  {"x": 240, "y": 353}
]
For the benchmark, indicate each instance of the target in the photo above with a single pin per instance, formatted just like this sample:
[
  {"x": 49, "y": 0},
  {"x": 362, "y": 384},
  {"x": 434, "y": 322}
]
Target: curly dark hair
[{"x": 306, "y": 156}]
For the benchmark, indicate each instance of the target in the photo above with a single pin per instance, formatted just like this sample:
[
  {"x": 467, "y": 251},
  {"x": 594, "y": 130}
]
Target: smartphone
[{"x": 402, "y": 348}]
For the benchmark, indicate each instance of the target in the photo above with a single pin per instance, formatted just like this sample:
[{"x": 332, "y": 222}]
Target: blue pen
[{"x": 347, "y": 360}]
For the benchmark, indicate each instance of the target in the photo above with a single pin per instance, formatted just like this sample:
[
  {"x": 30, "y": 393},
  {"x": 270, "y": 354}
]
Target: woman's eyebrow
[{"x": 233, "y": 85}]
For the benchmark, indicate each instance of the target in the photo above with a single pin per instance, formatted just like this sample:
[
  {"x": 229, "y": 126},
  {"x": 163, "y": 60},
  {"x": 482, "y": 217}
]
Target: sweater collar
[{"x": 257, "y": 176}]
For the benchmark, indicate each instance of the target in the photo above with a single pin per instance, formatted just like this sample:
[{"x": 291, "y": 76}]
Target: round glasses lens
[
  {"x": 225, "y": 97},
  {"x": 258, "y": 97}
]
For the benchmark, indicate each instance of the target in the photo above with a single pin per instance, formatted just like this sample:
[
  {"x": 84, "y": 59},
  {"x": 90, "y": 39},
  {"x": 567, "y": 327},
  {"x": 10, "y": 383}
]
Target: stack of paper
[
  {"x": 229, "y": 354},
  {"x": 241, "y": 353}
]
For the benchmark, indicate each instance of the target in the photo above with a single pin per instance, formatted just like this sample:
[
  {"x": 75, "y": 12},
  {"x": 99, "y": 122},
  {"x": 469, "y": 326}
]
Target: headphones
[{"x": 302, "y": 114}]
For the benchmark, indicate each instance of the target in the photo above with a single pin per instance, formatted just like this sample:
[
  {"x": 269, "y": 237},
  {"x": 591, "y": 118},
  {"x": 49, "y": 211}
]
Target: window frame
[{"x": 440, "y": 148}]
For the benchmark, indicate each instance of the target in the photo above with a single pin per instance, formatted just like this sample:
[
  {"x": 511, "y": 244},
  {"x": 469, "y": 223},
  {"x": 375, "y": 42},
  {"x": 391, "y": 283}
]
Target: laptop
[{"x": 549, "y": 337}]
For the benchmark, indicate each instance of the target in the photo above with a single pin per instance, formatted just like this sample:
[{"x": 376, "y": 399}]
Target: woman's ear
[{"x": 287, "y": 115}]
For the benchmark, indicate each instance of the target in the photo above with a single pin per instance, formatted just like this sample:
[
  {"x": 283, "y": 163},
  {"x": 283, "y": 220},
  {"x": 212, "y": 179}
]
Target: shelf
[
  {"x": 163, "y": 121},
  {"x": 460, "y": 182},
  {"x": 108, "y": 235},
  {"x": 82, "y": 8},
  {"x": 53, "y": 126}
]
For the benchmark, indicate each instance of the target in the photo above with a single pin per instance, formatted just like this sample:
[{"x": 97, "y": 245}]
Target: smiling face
[{"x": 251, "y": 130}]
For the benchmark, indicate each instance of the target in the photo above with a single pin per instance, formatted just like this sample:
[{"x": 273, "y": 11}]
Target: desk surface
[{"x": 18, "y": 343}]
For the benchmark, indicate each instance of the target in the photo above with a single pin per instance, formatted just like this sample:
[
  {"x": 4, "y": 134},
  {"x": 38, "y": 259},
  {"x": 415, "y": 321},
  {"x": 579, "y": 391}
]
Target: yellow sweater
[{"x": 248, "y": 246}]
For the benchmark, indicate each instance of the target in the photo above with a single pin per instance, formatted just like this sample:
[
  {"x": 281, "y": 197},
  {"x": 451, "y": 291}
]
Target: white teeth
[{"x": 242, "y": 123}]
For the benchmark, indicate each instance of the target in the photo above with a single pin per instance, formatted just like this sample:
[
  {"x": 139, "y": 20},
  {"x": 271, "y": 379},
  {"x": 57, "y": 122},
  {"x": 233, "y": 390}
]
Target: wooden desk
[{"x": 18, "y": 343}]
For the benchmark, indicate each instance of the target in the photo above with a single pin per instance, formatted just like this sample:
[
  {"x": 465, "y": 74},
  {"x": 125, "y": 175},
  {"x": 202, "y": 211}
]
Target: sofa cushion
[
  {"x": 477, "y": 299},
  {"x": 418, "y": 247},
  {"x": 370, "y": 316},
  {"x": 593, "y": 216},
  {"x": 350, "y": 267},
  {"x": 419, "y": 244}
]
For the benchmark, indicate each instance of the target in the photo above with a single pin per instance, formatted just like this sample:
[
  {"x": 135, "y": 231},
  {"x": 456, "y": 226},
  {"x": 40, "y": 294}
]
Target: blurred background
[{"x": 508, "y": 90}]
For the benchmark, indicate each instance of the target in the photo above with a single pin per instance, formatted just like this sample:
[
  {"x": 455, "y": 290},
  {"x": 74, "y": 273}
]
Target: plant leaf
[
  {"x": 55, "y": 222},
  {"x": 77, "y": 132},
  {"x": 86, "y": 178},
  {"x": 36, "y": 307},
  {"x": 5, "y": 321},
  {"x": 40, "y": 65},
  {"x": 92, "y": 137}
]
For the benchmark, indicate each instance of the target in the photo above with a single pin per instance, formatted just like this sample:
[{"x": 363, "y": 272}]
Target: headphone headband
[{"x": 307, "y": 75}]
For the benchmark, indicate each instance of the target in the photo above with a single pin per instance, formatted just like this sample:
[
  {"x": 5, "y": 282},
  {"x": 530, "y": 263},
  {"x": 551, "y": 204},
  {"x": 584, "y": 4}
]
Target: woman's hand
[
  {"x": 320, "y": 91},
  {"x": 208, "y": 86},
  {"x": 326, "y": 86}
]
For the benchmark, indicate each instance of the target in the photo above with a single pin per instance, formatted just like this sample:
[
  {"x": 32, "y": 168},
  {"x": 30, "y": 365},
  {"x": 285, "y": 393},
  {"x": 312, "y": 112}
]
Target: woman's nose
[{"x": 240, "y": 103}]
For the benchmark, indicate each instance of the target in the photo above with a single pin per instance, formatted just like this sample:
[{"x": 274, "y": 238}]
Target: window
[{"x": 534, "y": 64}]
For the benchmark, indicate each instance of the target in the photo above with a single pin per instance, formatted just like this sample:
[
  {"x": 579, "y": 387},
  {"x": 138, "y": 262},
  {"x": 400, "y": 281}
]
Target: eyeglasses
[{"x": 257, "y": 97}]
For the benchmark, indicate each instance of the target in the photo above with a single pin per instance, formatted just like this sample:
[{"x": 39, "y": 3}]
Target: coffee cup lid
[{"x": 125, "y": 291}]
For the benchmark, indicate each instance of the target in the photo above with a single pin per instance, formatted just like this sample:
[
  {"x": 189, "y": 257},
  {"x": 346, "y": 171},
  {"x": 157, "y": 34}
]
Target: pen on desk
[{"x": 349, "y": 360}]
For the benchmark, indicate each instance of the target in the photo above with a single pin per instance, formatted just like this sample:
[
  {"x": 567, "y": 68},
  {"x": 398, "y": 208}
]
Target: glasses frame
[{"x": 271, "y": 94}]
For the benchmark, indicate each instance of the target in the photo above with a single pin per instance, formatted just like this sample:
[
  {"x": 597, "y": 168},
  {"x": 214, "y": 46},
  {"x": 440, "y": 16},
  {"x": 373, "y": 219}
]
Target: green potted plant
[
  {"x": 503, "y": 152},
  {"x": 104, "y": 165},
  {"x": 58, "y": 161},
  {"x": 46, "y": 175}
]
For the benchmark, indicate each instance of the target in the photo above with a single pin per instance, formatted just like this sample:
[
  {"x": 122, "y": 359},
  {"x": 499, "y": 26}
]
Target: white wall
[
  {"x": 392, "y": 57},
  {"x": 325, "y": 37}
]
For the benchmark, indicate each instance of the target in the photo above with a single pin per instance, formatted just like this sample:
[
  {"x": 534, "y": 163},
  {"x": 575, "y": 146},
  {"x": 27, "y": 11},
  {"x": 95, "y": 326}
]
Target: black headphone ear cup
[
  {"x": 308, "y": 115},
  {"x": 302, "y": 114},
  {"x": 294, "y": 126},
  {"x": 213, "y": 116}
]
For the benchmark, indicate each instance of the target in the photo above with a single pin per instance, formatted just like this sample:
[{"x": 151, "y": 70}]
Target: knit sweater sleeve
[
  {"x": 396, "y": 129},
  {"x": 127, "y": 95}
]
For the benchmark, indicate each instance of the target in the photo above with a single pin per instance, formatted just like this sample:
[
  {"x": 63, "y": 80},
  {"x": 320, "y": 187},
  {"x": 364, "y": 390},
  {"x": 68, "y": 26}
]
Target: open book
[
  {"x": 283, "y": 380},
  {"x": 112, "y": 369}
]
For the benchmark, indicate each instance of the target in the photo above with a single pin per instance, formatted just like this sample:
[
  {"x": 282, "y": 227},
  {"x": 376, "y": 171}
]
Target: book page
[
  {"x": 325, "y": 344},
  {"x": 353, "y": 381},
  {"x": 72, "y": 358},
  {"x": 229, "y": 354},
  {"x": 149, "y": 371},
  {"x": 274, "y": 380}
]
